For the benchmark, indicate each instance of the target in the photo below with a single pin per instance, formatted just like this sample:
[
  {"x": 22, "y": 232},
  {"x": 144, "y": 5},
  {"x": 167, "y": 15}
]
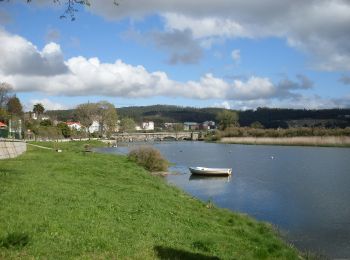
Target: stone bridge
[{"x": 159, "y": 136}]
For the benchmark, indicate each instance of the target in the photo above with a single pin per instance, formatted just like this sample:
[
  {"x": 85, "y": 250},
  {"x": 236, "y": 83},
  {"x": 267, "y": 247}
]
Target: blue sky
[{"x": 234, "y": 54}]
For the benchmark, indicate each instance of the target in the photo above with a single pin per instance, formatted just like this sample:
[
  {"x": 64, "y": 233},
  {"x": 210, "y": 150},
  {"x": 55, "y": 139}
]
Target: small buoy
[
  {"x": 272, "y": 157},
  {"x": 180, "y": 151}
]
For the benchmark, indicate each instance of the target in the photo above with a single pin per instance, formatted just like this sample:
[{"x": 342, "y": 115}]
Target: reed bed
[{"x": 298, "y": 140}]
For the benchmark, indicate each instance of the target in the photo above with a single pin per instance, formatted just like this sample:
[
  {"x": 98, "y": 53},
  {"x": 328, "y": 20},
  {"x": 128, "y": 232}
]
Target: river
[{"x": 304, "y": 191}]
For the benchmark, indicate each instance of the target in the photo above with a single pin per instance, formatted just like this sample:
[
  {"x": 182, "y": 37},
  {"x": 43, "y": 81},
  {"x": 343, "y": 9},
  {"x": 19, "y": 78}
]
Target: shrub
[
  {"x": 213, "y": 136},
  {"x": 149, "y": 158}
]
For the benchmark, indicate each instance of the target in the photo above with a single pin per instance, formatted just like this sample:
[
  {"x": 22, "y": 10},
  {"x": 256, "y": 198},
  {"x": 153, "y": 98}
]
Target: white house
[
  {"x": 74, "y": 125},
  {"x": 35, "y": 116},
  {"x": 95, "y": 127},
  {"x": 148, "y": 126}
]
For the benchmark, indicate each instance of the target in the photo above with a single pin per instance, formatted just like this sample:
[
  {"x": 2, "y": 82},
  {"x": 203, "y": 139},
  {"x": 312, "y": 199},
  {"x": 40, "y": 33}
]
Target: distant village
[{"x": 15, "y": 128}]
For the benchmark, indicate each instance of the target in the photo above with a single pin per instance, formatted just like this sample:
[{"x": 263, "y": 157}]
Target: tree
[
  {"x": 64, "y": 129},
  {"x": 257, "y": 125},
  {"x": 103, "y": 112},
  {"x": 14, "y": 106},
  {"x": 107, "y": 117},
  {"x": 127, "y": 124},
  {"x": 227, "y": 119},
  {"x": 38, "y": 109},
  {"x": 5, "y": 89},
  {"x": 46, "y": 122},
  {"x": 86, "y": 114},
  {"x": 71, "y": 8}
]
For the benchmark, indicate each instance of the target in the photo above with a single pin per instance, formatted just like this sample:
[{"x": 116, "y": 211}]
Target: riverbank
[
  {"x": 333, "y": 141},
  {"x": 89, "y": 205}
]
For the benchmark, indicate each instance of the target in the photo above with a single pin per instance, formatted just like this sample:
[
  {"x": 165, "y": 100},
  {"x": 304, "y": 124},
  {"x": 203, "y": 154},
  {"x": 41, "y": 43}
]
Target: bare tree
[
  {"x": 71, "y": 6},
  {"x": 108, "y": 117},
  {"x": 103, "y": 112},
  {"x": 86, "y": 114}
]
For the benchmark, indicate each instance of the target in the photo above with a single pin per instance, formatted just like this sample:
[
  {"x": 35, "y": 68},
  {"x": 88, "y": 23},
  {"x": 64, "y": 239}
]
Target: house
[
  {"x": 148, "y": 126},
  {"x": 95, "y": 127},
  {"x": 3, "y": 125},
  {"x": 138, "y": 128},
  {"x": 74, "y": 125},
  {"x": 190, "y": 126},
  {"x": 35, "y": 116},
  {"x": 207, "y": 125},
  {"x": 169, "y": 125}
]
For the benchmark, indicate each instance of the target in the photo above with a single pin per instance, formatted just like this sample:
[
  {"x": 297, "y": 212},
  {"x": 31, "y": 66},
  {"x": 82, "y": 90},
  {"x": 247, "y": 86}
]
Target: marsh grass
[
  {"x": 339, "y": 141},
  {"x": 72, "y": 205}
]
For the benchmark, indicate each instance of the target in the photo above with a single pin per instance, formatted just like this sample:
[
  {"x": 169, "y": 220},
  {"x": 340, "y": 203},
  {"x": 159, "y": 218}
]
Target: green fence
[{"x": 4, "y": 133}]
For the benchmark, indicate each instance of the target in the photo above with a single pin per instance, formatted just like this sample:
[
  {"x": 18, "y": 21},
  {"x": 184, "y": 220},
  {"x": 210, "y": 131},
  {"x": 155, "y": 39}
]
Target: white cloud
[
  {"x": 89, "y": 76},
  {"x": 236, "y": 56},
  {"x": 318, "y": 27},
  {"x": 19, "y": 56},
  {"x": 206, "y": 27},
  {"x": 85, "y": 76},
  {"x": 47, "y": 103}
]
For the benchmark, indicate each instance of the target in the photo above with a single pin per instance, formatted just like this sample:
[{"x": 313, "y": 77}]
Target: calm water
[{"x": 305, "y": 191}]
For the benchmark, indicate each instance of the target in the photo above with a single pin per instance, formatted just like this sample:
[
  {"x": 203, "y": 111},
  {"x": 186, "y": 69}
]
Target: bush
[
  {"x": 213, "y": 136},
  {"x": 149, "y": 158}
]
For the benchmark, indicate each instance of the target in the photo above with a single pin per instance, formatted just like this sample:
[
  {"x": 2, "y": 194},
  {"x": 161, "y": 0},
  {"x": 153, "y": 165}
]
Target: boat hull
[{"x": 210, "y": 171}]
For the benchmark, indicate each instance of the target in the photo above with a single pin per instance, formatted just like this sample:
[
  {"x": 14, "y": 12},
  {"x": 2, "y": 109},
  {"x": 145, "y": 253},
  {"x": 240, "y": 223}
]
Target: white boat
[{"x": 210, "y": 171}]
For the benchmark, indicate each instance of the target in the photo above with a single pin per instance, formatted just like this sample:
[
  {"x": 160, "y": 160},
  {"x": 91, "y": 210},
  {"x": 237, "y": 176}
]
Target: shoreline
[{"x": 317, "y": 141}]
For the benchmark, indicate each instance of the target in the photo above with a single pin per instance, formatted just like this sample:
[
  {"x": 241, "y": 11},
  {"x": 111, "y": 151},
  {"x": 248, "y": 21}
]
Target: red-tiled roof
[
  {"x": 2, "y": 124},
  {"x": 72, "y": 123}
]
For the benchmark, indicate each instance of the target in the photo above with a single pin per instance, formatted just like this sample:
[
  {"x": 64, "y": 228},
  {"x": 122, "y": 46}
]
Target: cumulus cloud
[
  {"x": 47, "y": 103},
  {"x": 89, "y": 76},
  {"x": 319, "y": 28},
  {"x": 19, "y": 56},
  {"x": 300, "y": 102},
  {"x": 286, "y": 87},
  {"x": 180, "y": 44}
]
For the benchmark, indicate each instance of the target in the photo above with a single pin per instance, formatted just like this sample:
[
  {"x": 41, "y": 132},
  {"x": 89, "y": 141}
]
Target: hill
[{"x": 268, "y": 117}]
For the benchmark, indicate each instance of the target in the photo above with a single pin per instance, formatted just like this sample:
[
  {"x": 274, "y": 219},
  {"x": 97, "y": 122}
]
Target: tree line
[{"x": 37, "y": 123}]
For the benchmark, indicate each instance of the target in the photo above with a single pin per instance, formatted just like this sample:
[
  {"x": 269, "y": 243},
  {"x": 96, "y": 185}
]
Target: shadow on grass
[
  {"x": 14, "y": 240},
  {"x": 7, "y": 172},
  {"x": 171, "y": 253}
]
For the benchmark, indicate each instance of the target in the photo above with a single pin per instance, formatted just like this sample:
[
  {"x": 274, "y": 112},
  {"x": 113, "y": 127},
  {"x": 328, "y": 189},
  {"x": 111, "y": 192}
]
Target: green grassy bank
[{"x": 97, "y": 206}]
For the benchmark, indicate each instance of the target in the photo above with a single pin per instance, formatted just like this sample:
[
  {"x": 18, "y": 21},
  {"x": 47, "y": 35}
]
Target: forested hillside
[{"x": 268, "y": 117}]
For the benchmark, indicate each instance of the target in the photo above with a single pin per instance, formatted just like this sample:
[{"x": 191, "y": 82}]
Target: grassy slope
[{"x": 73, "y": 205}]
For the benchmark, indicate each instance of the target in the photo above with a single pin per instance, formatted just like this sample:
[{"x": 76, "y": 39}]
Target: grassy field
[{"x": 75, "y": 205}]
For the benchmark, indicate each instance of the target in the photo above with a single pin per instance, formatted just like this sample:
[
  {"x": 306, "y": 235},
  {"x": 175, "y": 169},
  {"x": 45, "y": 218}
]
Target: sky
[{"x": 238, "y": 54}]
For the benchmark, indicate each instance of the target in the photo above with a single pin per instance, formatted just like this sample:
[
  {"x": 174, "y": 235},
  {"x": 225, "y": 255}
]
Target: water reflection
[{"x": 210, "y": 178}]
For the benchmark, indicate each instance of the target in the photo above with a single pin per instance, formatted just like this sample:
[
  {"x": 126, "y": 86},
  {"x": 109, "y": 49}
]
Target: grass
[{"x": 76, "y": 205}]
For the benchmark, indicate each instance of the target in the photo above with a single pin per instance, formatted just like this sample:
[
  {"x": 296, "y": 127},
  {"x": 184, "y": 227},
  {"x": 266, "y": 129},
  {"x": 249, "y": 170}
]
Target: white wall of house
[
  {"x": 148, "y": 125},
  {"x": 95, "y": 127}
]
